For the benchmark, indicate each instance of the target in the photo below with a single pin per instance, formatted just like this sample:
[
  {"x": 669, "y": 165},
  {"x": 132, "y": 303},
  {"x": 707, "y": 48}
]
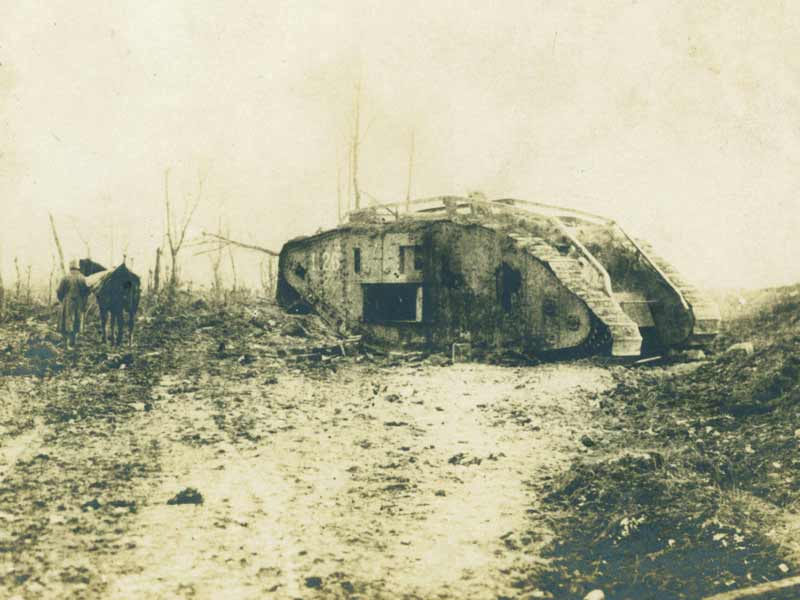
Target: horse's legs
[
  {"x": 131, "y": 321},
  {"x": 120, "y": 327},
  {"x": 111, "y": 325},
  {"x": 103, "y": 319}
]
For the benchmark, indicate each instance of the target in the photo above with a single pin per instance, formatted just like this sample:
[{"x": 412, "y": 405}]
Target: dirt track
[
  {"x": 410, "y": 481},
  {"x": 343, "y": 482}
]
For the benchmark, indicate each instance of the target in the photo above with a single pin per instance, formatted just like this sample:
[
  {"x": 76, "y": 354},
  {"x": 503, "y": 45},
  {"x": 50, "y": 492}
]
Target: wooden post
[{"x": 58, "y": 245}]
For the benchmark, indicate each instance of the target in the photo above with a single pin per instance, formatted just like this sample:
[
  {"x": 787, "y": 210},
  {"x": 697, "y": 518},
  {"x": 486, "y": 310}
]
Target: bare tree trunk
[
  {"x": 338, "y": 195},
  {"x": 28, "y": 285},
  {"x": 173, "y": 270},
  {"x": 112, "y": 237},
  {"x": 215, "y": 272},
  {"x": 227, "y": 233},
  {"x": 410, "y": 172},
  {"x": 85, "y": 243},
  {"x": 271, "y": 274},
  {"x": 240, "y": 244},
  {"x": 18, "y": 287},
  {"x": 233, "y": 267},
  {"x": 266, "y": 276},
  {"x": 157, "y": 271},
  {"x": 173, "y": 278},
  {"x": 2, "y": 287},
  {"x": 356, "y": 136},
  {"x": 58, "y": 245},
  {"x": 216, "y": 261},
  {"x": 50, "y": 279},
  {"x": 349, "y": 180},
  {"x": 176, "y": 232}
]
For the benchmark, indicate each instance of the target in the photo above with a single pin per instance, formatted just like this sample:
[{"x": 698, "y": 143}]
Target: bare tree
[
  {"x": 84, "y": 241},
  {"x": 18, "y": 287},
  {"x": 2, "y": 287},
  {"x": 339, "y": 195},
  {"x": 263, "y": 276},
  {"x": 111, "y": 241},
  {"x": 176, "y": 231},
  {"x": 157, "y": 271},
  {"x": 226, "y": 233},
  {"x": 349, "y": 180},
  {"x": 235, "y": 282},
  {"x": 355, "y": 143},
  {"x": 213, "y": 238},
  {"x": 267, "y": 274},
  {"x": 410, "y": 172},
  {"x": 50, "y": 279},
  {"x": 58, "y": 245},
  {"x": 216, "y": 261},
  {"x": 271, "y": 274},
  {"x": 357, "y": 138}
]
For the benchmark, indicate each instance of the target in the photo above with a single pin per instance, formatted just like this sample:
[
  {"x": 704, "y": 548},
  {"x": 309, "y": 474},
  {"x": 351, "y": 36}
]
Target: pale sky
[{"x": 679, "y": 119}]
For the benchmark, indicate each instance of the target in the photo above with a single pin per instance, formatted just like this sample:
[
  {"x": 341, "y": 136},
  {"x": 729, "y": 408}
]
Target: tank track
[
  {"x": 623, "y": 331},
  {"x": 705, "y": 312}
]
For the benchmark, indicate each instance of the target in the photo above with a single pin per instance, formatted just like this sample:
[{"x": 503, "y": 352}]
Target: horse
[{"x": 117, "y": 291}]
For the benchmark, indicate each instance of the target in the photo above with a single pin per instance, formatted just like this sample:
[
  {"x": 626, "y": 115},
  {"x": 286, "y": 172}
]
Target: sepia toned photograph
[{"x": 400, "y": 300}]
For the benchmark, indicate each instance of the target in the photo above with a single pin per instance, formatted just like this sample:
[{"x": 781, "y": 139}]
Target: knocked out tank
[{"x": 501, "y": 273}]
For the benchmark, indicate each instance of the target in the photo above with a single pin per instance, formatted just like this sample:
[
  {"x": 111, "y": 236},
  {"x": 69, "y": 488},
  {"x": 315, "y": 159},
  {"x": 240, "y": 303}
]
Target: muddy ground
[{"x": 227, "y": 455}]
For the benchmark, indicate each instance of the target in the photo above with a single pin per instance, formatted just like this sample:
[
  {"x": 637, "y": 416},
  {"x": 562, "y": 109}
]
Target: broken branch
[{"x": 228, "y": 241}]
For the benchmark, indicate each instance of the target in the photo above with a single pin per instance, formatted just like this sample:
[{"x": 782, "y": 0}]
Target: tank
[{"x": 505, "y": 273}]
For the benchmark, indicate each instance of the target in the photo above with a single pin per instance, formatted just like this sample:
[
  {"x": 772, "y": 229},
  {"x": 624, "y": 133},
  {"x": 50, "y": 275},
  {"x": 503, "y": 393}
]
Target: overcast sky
[{"x": 679, "y": 119}]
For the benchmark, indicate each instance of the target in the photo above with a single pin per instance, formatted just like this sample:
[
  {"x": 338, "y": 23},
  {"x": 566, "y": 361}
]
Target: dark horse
[{"x": 117, "y": 291}]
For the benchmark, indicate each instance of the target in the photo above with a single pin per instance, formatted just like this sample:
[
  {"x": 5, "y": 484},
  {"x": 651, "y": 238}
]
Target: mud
[
  {"x": 338, "y": 480},
  {"x": 237, "y": 452}
]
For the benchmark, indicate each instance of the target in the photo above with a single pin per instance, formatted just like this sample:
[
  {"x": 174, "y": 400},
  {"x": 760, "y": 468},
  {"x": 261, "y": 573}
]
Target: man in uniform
[{"x": 72, "y": 293}]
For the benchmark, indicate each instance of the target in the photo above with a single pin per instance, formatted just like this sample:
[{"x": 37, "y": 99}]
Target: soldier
[{"x": 72, "y": 294}]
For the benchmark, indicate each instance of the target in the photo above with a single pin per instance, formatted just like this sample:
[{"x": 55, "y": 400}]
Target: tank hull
[{"x": 493, "y": 276}]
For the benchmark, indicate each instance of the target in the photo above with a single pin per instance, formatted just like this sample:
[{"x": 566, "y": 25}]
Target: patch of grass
[
  {"x": 642, "y": 525},
  {"x": 686, "y": 514}
]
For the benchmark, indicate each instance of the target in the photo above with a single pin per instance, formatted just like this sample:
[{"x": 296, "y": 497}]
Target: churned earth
[
  {"x": 236, "y": 451},
  {"x": 350, "y": 477},
  {"x": 377, "y": 482}
]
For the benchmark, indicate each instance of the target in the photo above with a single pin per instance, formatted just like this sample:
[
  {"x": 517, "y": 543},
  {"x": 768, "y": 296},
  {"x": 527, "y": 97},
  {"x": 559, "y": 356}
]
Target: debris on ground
[
  {"x": 746, "y": 347},
  {"x": 678, "y": 504},
  {"x": 187, "y": 495},
  {"x": 691, "y": 463}
]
